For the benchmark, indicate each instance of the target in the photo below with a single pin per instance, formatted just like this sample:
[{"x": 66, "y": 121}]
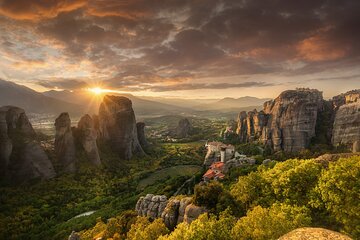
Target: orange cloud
[
  {"x": 36, "y": 10},
  {"x": 318, "y": 48}
]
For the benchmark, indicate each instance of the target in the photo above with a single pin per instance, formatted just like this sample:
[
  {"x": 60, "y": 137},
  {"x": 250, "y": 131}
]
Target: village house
[{"x": 214, "y": 172}]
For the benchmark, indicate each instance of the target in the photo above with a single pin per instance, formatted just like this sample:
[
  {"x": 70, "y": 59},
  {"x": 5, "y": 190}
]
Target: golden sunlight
[{"x": 96, "y": 90}]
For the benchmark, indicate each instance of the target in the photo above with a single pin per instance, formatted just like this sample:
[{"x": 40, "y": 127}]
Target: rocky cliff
[
  {"x": 21, "y": 156},
  {"x": 141, "y": 134},
  {"x": 117, "y": 126},
  {"x": 86, "y": 136},
  {"x": 286, "y": 123},
  {"x": 346, "y": 128},
  {"x": 64, "y": 143},
  {"x": 172, "y": 211},
  {"x": 184, "y": 128}
]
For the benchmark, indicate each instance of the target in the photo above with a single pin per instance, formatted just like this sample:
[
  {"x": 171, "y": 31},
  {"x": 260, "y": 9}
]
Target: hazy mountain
[
  {"x": 142, "y": 107},
  {"x": 32, "y": 101},
  {"x": 226, "y": 104},
  {"x": 187, "y": 103}
]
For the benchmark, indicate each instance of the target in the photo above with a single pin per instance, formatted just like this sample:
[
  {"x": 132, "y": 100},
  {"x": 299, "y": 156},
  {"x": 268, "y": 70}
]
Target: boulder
[
  {"x": 356, "y": 146},
  {"x": 117, "y": 126},
  {"x": 140, "y": 126},
  {"x": 87, "y": 138},
  {"x": 192, "y": 212},
  {"x": 64, "y": 143},
  {"x": 74, "y": 236},
  {"x": 184, "y": 128},
  {"x": 21, "y": 155},
  {"x": 308, "y": 233}
]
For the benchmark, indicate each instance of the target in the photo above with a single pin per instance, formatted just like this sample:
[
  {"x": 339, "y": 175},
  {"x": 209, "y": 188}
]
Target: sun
[{"x": 96, "y": 90}]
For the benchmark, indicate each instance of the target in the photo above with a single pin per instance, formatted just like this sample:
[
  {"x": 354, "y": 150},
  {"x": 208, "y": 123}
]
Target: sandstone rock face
[
  {"x": 64, "y": 143},
  {"x": 192, "y": 212},
  {"x": 141, "y": 134},
  {"x": 21, "y": 156},
  {"x": 117, "y": 125},
  {"x": 286, "y": 123},
  {"x": 308, "y": 233},
  {"x": 346, "y": 128},
  {"x": 184, "y": 128},
  {"x": 151, "y": 206},
  {"x": 87, "y": 137}
]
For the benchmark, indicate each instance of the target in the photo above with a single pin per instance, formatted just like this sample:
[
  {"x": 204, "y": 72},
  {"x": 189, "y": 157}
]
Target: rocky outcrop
[
  {"x": 140, "y": 126},
  {"x": 182, "y": 207},
  {"x": 286, "y": 123},
  {"x": 346, "y": 130},
  {"x": 151, "y": 206},
  {"x": 184, "y": 128},
  {"x": 64, "y": 143},
  {"x": 117, "y": 126},
  {"x": 172, "y": 211},
  {"x": 192, "y": 212},
  {"x": 87, "y": 135},
  {"x": 308, "y": 233},
  {"x": 21, "y": 156}
]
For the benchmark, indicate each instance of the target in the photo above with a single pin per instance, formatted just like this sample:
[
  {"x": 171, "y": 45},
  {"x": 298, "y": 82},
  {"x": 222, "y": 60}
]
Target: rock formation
[
  {"x": 140, "y": 126},
  {"x": 307, "y": 233},
  {"x": 192, "y": 212},
  {"x": 286, "y": 123},
  {"x": 151, "y": 205},
  {"x": 346, "y": 129},
  {"x": 184, "y": 128},
  {"x": 117, "y": 126},
  {"x": 21, "y": 156},
  {"x": 64, "y": 143},
  {"x": 87, "y": 138},
  {"x": 172, "y": 211}
]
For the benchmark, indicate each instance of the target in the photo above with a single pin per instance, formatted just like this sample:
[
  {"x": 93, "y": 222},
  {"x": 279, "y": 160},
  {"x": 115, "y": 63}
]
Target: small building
[
  {"x": 215, "y": 172},
  {"x": 218, "y": 151}
]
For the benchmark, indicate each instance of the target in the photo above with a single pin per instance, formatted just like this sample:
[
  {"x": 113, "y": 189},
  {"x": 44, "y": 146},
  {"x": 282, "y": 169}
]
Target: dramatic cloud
[{"x": 177, "y": 45}]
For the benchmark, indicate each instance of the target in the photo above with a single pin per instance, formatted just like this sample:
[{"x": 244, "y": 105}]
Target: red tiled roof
[
  {"x": 209, "y": 174},
  {"x": 217, "y": 165}
]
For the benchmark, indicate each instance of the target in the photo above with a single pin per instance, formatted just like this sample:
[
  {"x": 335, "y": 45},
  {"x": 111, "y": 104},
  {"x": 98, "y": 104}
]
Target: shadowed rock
[
  {"x": 87, "y": 137},
  {"x": 141, "y": 134},
  {"x": 117, "y": 126},
  {"x": 21, "y": 156},
  {"x": 64, "y": 143},
  {"x": 184, "y": 128}
]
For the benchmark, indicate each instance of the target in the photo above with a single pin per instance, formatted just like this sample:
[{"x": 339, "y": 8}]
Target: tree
[
  {"x": 339, "y": 191},
  {"x": 270, "y": 223},
  {"x": 204, "y": 228},
  {"x": 143, "y": 229}
]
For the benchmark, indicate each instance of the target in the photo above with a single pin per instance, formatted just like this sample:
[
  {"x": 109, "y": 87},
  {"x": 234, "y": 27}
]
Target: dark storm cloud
[{"x": 142, "y": 42}]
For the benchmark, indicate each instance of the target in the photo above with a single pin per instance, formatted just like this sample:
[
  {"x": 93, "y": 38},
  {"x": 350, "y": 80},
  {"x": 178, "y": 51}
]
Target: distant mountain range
[
  {"x": 32, "y": 101},
  {"x": 227, "y": 104},
  {"x": 80, "y": 102}
]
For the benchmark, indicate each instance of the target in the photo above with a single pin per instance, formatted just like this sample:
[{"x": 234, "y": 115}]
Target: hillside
[
  {"x": 226, "y": 104},
  {"x": 32, "y": 101}
]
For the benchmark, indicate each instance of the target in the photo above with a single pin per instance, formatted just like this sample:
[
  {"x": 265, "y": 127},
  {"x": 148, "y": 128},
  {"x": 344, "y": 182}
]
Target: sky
[{"x": 182, "y": 48}]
